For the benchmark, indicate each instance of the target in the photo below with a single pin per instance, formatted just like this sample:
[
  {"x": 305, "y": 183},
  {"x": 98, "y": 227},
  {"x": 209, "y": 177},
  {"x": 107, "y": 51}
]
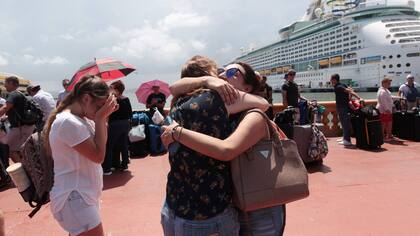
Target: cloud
[
  {"x": 226, "y": 49},
  {"x": 3, "y": 61},
  {"x": 163, "y": 41},
  {"x": 182, "y": 20},
  {"x": 66, "y": 36},
  {"x": 57, "y": 60}
]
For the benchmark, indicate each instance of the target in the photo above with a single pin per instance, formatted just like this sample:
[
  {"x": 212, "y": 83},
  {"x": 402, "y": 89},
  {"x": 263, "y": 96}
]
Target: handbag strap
[{"x": 272, "y": 134}]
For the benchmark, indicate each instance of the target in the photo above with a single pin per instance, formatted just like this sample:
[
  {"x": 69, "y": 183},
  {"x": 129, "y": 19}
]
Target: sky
[{"x": 46, "y": 41}]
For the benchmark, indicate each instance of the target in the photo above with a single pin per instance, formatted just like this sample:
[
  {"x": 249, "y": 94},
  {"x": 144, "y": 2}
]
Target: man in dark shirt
[
  {"x": 291, "y": 94},
  {"x": 156, "y": 99},
  {"x": 14, "y": 110},
  {"x": 267, "y": 93},
  {"x": 342, "y": 98}
]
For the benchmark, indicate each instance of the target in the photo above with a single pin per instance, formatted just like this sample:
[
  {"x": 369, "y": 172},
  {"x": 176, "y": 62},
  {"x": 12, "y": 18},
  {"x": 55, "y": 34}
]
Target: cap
[
  {"x": 386, "y": 78},
  {"x": 33, "y": 87},
  {"x": 291, "y": 72},
  {"x": 410, "y": 76}
]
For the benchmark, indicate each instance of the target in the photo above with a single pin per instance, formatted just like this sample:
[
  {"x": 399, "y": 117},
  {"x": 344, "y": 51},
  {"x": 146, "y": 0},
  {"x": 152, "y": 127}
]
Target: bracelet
[
  {"x": 180, "y": 132},
  {"x": 173, "y": 131}
]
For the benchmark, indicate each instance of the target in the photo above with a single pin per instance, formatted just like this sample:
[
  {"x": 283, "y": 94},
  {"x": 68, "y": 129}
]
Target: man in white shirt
[
  {"x": 45, "y": 100},
  {"x": 63, "y": 93}
]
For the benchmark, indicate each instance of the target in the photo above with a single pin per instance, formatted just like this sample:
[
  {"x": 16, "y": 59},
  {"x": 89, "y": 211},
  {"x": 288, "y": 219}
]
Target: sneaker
[
  {"x": 345, "y": 143},
  {"x": 124, "y": 168},
  {"x": 340, "y": 140},
  {"x": 108, "y": 173}
]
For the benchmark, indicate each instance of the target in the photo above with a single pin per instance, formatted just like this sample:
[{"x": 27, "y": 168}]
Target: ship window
[
  {"x": 345, "y": 28},
  {"x": 415, "y": 54},
  {"x": 384, "y": 57},
  {"x": 404, "y": 29},
  {"x": 384, "y": 66},
  {"x": 392, "y": 41},
  {"x": 388, "y": 36},
  {"x": 346, "y": 44},
  {"x": 408, "y": 65},
  {"x": 390, "y": 57},
  {"x": 398, "y": 65},
  {"x": 360, "y": 41},
  {"x": 346, "y": 39},
  {"x": 353, "y": 37},
  {"x": 346, "y": 33},
  {"x": 406, "y": 40},
  {"x": 390, "y": 66},
  {"x": 398, "y": 56},
  {"x": 402, "y": 24}
]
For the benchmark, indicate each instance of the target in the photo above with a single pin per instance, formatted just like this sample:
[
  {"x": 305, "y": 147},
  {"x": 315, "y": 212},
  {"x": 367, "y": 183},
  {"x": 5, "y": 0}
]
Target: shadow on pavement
[
  {"x": 317, "y": 167},
  {"x": 117, "y": 179}
]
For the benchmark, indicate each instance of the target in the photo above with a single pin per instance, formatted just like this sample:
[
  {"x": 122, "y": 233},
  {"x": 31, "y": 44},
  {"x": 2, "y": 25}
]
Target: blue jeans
[
  {"x": 344, "y": 117},
  {"x": 224, "y": 224},
  {"x": 263, "y": 222},
  {"x": 117, "y": 141}
]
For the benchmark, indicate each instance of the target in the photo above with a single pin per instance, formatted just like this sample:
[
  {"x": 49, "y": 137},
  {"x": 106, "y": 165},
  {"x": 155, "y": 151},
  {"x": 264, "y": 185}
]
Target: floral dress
[{"x": 199, "y": 187}]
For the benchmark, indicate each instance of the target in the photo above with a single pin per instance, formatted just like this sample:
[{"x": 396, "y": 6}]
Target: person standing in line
[
  {"x": 156, "y": 99},
  {"x": 14, "y": 109},
  {"x": 63, "y": 93},
  {"x": 291, "y": 94},
  {"x": 267, "y": 93},
  {"x": 409, "y": 92},
  {"x": 75, "y": 135},
  {"x": 385, "y": 105},
  {"x": 45, "y": 100},
  {"x": 118, "y": 129},
  {"x": 342, "y": 98}
]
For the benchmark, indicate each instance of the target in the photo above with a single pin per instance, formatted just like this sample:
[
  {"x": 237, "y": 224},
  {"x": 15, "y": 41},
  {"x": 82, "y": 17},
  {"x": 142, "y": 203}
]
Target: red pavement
[{"x": 356, "y": 192}]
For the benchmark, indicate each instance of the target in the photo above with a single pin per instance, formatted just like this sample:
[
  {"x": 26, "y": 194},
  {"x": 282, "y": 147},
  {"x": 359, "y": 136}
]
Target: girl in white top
[{"x": 76, "y": 135}]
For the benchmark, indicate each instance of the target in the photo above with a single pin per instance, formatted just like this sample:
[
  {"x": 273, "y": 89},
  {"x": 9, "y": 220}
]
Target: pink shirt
[{"x": 385, "y": 102}]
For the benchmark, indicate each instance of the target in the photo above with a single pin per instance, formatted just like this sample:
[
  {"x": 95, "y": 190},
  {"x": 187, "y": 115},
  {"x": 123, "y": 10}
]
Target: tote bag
[{"x": 270, "y": 173}]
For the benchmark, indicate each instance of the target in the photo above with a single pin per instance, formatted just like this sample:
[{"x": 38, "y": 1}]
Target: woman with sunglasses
[
  {"x": 198, "y": 193},
  {"x": 248, "y": 131}
]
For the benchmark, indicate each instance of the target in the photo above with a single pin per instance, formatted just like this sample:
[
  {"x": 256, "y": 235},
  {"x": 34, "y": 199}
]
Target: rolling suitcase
[
  {"x": 302, "y": 135},
  {"x": 284, "y": 120},
  {"x": 155, "y": 143},
  {"x": 406, "y": 125},
  {"x": 367, "y": 128}
]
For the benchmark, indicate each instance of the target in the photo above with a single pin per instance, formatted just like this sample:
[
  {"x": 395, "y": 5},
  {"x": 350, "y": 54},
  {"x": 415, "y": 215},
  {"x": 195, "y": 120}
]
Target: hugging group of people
[{"x": 211, "y": 127}]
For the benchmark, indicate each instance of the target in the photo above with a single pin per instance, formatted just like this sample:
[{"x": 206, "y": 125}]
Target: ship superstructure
[{"x": 363, "y": 41}]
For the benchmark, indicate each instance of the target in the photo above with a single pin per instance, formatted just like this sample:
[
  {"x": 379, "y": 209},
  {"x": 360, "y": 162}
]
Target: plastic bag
[
  {"x": 137, "y": 133},
  {"x": 157, "y": 117}
]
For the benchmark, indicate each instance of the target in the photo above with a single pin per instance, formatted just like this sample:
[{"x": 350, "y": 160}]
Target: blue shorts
[
  {"x": 223, "y": 224},
  {"x": 77, "y": 216}
]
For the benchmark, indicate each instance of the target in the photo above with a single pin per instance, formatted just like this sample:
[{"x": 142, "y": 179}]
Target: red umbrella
[
  {"x": 107, "y": 68},
  {"x": 146, "y": 89}
]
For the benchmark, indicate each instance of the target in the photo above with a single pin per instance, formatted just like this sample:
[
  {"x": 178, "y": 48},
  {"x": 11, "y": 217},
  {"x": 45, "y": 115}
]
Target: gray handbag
[{"x": 270, "y": 173}]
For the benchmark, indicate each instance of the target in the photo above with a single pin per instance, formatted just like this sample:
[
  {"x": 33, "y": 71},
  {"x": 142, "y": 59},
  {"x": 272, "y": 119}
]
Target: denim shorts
[
  {"x": 77, "y": 216},
  {"x": 224, "y": 224},
  {"x": 268, "y": 222}
]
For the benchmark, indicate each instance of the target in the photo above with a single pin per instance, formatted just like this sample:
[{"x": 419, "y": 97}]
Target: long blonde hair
[{"x": 92, "y": 85}]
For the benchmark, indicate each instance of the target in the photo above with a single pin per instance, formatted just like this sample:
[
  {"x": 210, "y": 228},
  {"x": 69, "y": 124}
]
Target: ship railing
[{"x": 366, "y": 4}]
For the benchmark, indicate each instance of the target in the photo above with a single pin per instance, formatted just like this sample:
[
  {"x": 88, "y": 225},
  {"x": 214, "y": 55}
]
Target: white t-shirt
[
  {"x": 46, "y": 102},
  {"x": 385, "y": 102},
  {"x": 61, "y": 95},
  {"x": 72, "y": 171}
]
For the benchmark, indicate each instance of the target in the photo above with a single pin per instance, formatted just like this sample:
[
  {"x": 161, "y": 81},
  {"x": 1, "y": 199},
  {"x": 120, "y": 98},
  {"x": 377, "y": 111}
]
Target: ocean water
[{"x": 277, "y": 97}]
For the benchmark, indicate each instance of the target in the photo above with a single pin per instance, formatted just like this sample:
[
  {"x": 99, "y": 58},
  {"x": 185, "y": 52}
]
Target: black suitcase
[
  {"x": 406, "y": 125},
  {"x": 367, "y": 128},
  {"x": 284, "y": 120}
]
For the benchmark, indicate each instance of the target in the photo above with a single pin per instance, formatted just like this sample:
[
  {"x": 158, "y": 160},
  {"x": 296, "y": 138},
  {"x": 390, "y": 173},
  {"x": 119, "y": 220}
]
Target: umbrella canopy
[
  {"x": 146, "y": 89},
  {"x": 107, "y": 68}
]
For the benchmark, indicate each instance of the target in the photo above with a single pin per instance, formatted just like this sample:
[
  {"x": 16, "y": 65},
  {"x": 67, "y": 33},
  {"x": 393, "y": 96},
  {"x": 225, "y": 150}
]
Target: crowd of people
[{"x": 86, "y": 132}]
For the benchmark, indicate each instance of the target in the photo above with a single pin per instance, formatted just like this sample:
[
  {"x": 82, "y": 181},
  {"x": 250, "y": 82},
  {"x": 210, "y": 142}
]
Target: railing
[{"x": 332, "y": 126}]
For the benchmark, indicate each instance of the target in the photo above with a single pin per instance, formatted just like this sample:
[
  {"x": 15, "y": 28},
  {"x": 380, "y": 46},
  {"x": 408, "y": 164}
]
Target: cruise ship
[{"x": 361, "y": 40}]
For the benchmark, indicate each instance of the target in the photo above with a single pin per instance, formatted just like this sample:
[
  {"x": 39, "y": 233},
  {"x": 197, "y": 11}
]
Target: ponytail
[{"x": 92, "y": 85}]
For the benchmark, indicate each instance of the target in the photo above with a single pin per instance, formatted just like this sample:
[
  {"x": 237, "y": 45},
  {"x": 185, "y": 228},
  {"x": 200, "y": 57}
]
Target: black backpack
[{"x": 32, "y": 113}]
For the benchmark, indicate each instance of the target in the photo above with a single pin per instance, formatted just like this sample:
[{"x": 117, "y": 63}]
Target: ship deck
[{"x": 355, "y": 192}]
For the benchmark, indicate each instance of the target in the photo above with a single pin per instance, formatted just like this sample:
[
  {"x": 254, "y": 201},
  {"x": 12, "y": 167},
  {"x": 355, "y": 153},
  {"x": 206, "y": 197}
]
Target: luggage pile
[
  {"x": 310, "y": 140},
  {"x": 143, "y": 144}
]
